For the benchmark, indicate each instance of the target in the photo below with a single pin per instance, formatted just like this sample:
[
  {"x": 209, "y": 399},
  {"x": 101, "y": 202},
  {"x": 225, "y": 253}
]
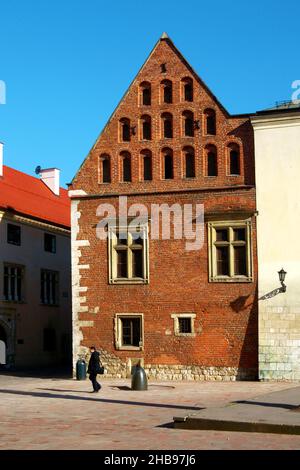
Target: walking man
[{"x": 93, "y": 368}]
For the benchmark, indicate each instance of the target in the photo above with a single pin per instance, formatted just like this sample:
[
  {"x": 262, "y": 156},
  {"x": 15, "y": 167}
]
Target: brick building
[{"x": 184, "y": 313}]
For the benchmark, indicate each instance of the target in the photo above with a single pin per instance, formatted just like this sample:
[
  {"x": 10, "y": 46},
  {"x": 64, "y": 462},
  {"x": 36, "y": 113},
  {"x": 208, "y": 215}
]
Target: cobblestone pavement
[{"x": 45, "y": 413}]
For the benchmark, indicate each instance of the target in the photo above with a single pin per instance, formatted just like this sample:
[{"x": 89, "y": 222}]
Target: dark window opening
[
  {"x": 211, "y": 124},
  {"x": 240, "y": 265},
  {"x": 185, "y": 325},
  {"x": 168, "y": 128},
  {"x": 146, "y": 130},
  {"x": 106, "y": 170},
  {"x": 168, "y": 167},
  {"x": 147, "y": 96},
  {"x": 189, "y": 165},
  {"x": 222, "y": 261},
  {"x": 137, "y": 263},
  {"x": 212, "y": 167},
  {"x": 50, "y": 243},
  {"x": 188, "y": 92},
  {"x": 189, "y": 127},
  {"x": 122, "y": 263},
  {"x": 168, "y": 93},
  {"x": 234, "y": 162},
  {"x": 131, "y": 331},
  {"x": 14, "y": 234},
  {"x": 125, "y": 130},
  {"x": 126, "y": 169},
  {"x": 222, "y": 235},
  {"x": 147, "y": 170}
]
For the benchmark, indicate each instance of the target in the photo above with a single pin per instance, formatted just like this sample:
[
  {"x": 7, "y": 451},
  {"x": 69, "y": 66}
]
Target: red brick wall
[{"x": 226, "y": 314}]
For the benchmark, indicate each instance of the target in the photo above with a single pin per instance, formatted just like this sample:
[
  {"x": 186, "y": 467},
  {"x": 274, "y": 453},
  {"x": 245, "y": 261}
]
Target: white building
[
  {"x": 277, "y": 167},
  {"x": 35, "y": 262}
]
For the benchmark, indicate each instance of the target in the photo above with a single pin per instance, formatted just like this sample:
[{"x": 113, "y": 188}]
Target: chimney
[
  {"x": 1, "y": 159},
  {"x": 50, "y": 176}
]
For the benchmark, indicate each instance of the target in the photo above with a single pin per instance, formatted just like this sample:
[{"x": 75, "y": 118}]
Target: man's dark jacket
[{"x": 94, "y": 363}]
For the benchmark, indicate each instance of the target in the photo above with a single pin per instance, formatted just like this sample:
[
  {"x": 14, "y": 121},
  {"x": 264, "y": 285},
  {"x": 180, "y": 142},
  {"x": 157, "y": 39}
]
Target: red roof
[{"x": 29, "y": 196}]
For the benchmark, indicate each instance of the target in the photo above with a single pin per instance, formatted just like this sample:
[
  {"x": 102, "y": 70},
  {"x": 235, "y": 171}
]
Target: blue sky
[{"x": 67, "y": 63}]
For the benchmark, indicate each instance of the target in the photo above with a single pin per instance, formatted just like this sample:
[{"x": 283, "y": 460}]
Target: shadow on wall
[{"x": 249, "y": 351}]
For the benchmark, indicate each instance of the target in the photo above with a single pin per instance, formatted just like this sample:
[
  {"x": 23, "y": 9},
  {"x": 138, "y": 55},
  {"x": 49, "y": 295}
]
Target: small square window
[
  {"x": 14, "y": 234},
  {"x": 184, "y": 324},
  {"x": 50, "y": 243}
]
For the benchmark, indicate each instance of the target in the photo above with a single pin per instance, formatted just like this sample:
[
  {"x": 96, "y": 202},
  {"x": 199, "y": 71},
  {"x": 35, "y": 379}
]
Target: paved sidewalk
[
  {"x": 60, "y": 413},
  {"x": 277, "y": 412}
]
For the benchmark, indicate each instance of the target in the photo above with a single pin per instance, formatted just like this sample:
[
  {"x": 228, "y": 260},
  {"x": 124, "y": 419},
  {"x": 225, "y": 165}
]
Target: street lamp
[{"x": 282, "y": 274}]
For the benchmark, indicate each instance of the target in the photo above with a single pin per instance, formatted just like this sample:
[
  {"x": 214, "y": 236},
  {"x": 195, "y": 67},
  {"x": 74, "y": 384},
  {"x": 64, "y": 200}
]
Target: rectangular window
[
  {"x": 230, "y": 251},
  {"x": 13, "y": 283},
  {"x": 129, "y": 331},
  {"x": 128, "y": 255},
  {"x": 14, "y": 234},
  {"x": 184, "y": 324},
  {"x": 147, "y": 173},
  {"x": 50, "y": 243},
  {"x": 49, "y": 287}
]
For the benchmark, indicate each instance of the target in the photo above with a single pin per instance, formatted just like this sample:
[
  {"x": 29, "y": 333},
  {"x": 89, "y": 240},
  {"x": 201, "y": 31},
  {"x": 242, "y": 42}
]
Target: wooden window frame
[
  {"x": 213, "y": 244},
  {"x": 118, "y": 330},
  {"x": 129, "y": 246}
]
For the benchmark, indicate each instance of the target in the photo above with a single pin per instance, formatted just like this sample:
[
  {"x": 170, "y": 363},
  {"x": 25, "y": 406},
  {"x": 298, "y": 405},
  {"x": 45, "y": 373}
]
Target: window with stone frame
[
  {"x": 128, "y": 255},
  {"x": 13, "y": 283},
  {"x": 129, "y": 331},
  {"x": 49, "y": 287},
  {"x": 230, "y": 251},
  {"x": 184, "y": 324}
]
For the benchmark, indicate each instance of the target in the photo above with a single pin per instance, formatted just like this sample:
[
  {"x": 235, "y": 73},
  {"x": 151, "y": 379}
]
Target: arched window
[
  {"x": 167, "y": 125},
  {"x": 125, "y": 130},
  {"x": 166, "y": 91},
  {"x": 125, "y": 166},
  {"x": 234, "y": 159},
  {"x": 189, "y": 162},
  {"x": 188, "y": 123},
  {"x": 146, "y": 127},
  {"x": 167, "y": 161},
  {"x": 187, "y": 92},
  {"x": 210, "y": 122},
  {"x": 104, "y": 170},
  {"x": 145, "y": 94},
  {"x": 211, "y": 161},
  {"x": 146, "y": 165}
]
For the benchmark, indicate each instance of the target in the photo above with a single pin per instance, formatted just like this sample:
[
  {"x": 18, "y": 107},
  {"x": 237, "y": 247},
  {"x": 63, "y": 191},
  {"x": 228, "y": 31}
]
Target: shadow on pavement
[
  {"x": 59, "y": 372},
  {"x": 271, "y": 405},
  {"x": 101, "y": 400}
]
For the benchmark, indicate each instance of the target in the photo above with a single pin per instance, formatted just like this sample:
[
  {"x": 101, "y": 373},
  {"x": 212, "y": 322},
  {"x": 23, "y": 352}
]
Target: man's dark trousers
[{"x": 96, "y": 385}]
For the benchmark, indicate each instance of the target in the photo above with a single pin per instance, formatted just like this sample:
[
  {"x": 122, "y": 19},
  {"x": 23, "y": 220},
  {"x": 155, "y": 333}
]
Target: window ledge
[
  {"x": 231, "y": 279},
  {"x": 14, "y": 301},
  {"x": 186, "y": 335},
  {"x": 129, "y": 348},
  {"x": 128, "y": 281}
]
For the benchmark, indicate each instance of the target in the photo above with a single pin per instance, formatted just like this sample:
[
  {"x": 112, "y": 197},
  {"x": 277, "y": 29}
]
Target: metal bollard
[{"x": 139, "y": 379}]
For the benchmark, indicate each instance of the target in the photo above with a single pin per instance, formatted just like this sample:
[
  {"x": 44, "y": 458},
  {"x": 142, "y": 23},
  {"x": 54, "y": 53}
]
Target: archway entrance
[{"x": 3, "y": 345}]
